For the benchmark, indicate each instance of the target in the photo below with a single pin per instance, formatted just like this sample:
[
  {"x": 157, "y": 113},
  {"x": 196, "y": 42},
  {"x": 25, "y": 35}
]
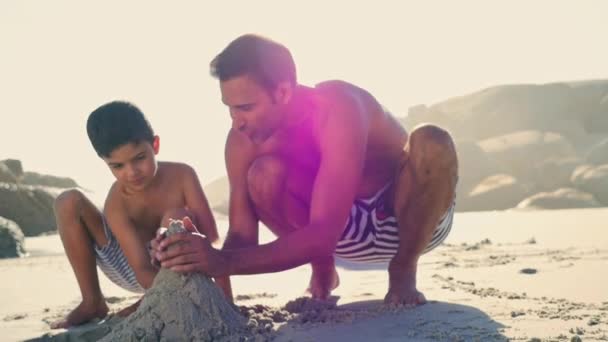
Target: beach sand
[{"x": 512, "y": 275}]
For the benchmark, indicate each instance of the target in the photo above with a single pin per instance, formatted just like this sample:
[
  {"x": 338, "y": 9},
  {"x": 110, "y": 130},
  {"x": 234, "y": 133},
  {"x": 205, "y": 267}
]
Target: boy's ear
[{"x": 156, "y": 144}]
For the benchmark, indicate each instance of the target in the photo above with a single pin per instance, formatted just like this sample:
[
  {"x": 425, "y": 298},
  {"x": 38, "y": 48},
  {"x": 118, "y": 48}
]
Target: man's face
[
  {"x": 134, "y": 165},
  {"x": 254, "y": 111}
]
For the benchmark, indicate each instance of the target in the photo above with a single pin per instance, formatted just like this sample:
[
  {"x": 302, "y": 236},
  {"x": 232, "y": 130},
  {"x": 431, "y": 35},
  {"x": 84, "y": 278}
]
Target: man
[{"x": 328, "y": 170}]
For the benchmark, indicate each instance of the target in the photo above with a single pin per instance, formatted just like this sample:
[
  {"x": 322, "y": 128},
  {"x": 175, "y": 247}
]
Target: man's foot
[
  {"x": 409, "y": 297},
  {"x": 128, "y": 310},
  {"x": 402, "y": 289},
  {"x": 81, "y": 314},
  {"x": 323, "y": 280}
]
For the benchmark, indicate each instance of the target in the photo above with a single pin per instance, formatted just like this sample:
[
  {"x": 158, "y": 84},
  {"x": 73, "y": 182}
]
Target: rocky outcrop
[
  {"x": 11, "y": 239},
  {"x": 553, "y": 173},
  {"x": 598, "y": 154},
  {"x": 594, "y": 180},
  {"x": 497, "y": 192},
  {"x": 15, "y": 166},
  {"x": 560, "y": 199},
  {"x": 217, "y": 193},
  {"x": 34, "y": 178},
  {"x": 30, "y": 207},
  {"x": 518, "y": 152},
  {"x": 6, "y": 175}
]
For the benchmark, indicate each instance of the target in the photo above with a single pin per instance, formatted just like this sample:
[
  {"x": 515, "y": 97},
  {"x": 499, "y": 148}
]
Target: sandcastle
[{"x": 181, "y": 307}]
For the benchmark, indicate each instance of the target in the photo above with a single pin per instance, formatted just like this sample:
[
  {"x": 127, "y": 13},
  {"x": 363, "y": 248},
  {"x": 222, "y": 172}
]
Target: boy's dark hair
[
  {"x": 267, "y": 61},
  {"x": 115, "y": 124}
]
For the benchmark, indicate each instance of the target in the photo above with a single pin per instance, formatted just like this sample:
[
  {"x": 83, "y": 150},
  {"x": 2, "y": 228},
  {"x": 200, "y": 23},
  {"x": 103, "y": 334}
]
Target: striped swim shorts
[
  {"x": 112, "y": 261},
  {"x": 371, "y": 233}
]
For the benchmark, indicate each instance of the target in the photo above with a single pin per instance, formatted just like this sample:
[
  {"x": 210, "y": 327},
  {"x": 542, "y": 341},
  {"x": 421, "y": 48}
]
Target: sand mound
[{"x": 181, "y": 307}]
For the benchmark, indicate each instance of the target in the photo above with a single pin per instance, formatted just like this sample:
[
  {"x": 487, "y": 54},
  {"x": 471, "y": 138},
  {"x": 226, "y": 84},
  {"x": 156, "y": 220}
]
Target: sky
[{"x": 59, "y": 60}]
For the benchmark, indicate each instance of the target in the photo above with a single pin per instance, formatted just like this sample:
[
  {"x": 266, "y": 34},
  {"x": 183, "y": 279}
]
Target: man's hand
[
  {"x": 324, "y": 278},
  {"x": 190, "y": 252}
]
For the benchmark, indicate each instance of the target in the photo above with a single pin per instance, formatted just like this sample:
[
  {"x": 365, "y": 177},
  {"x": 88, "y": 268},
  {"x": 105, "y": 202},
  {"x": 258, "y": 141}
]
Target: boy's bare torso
[{"x": 145, "y": 209}]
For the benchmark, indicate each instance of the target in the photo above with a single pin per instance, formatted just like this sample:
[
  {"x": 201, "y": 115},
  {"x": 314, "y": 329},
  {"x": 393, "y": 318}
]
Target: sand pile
[{"x": 181, "y": 307}]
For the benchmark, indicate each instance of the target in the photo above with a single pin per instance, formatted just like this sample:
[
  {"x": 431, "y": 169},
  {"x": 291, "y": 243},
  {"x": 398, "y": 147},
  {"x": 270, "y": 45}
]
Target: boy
[{"x": 144, "y": 196}]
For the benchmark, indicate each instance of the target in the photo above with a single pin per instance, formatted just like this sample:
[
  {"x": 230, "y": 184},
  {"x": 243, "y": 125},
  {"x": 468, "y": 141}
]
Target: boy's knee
[
  {"x": 68, "y": 200},
  {"x": 265, "y": 177}
]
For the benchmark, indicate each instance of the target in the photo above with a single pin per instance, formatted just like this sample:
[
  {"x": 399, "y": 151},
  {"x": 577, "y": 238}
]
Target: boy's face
[
  {"x": 254, "y": 111},
  {"x": 134, "y": 164}
]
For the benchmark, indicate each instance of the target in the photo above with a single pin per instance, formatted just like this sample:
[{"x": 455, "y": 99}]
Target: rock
[
  {"x": 6, "y": 175},
  {"x": 217, "y": 193},
  {"x": 11, "y": 239},
  {"x": 594, "y": 180},
  {"x": 598, "y": 154},
  {"x": 30, "y": 207},
  {"x": 516, "y": 153},
  {"x": 473, "y": 166},
  {"x": 33, "y": 178},
  {"x": 554, "y": 173},
  {"x": 560, "y": 199},
  {"x": 497, "y": 192},
  {"x": 15, "y": 166}
]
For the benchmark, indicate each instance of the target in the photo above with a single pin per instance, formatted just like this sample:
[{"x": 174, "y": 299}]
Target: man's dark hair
[
  {"x": 267, "y": 61},
  {"x": 115, "y": 124}
]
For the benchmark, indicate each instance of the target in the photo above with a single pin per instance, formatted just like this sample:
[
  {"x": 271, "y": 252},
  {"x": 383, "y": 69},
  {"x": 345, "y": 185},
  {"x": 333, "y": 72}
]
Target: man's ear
[
  {"x": 283, "y": 93},
  {"x": 156, "y": 144}
]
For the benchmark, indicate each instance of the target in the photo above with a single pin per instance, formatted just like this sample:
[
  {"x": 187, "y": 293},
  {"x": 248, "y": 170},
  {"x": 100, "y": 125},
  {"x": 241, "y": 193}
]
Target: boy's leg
[
  {"x": 80, "y": 225},
  {"x": 281, "y": 197},
  {"x": 423, "y": 192}
]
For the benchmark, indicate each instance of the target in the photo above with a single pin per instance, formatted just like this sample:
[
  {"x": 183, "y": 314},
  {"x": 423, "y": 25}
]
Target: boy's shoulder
[{"x": 171, "y": 169}]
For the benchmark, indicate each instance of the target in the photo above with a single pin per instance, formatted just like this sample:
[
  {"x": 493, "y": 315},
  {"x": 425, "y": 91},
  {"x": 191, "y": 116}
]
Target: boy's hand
[
  {"x": 190, "y": 252},
  {"x": 154, "y": 245}
]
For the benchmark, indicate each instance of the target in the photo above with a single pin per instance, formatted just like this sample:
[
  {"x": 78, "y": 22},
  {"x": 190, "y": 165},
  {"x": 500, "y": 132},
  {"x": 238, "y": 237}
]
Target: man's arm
[
  {"x": 342, "y": 141},
  {"x": 243, "y": 229},
  {"x": 132, "y": 247}
]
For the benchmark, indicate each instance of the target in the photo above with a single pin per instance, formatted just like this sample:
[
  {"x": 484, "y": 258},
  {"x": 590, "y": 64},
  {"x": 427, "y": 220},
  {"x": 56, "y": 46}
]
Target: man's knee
[
  {"x": 430, "y": 144},
  {"x": 265, "y": 179},
  {"x": 68, "y": 201}
]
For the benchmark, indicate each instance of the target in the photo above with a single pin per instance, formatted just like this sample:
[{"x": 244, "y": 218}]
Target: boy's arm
[
  {"x": 243, "y": 228},
  {"x": 197, "y": 203},
  {"x": 132, "y": 247}
]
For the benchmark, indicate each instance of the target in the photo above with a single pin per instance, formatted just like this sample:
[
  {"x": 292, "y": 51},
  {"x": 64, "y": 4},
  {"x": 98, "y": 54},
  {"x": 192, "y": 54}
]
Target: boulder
[
  {"x": 518, "y": 152},
  {"x": 594, "y": 180},
  {"x": 11, "y": 239},
  {"x": 497, "y": 192},
  {"x": 34, "y": 178},
  {"x": 598, "y": 154},
  {"x": 563, "y": 198},
  {"x": 15, "y": 166},
  {"x": 30, "y": 207},
  {"x": 473, "y": 166},
  {"x": 554, "y": 173},
  {"x": 218, "y": 193},
  {"x": 6, "y": 175}
]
